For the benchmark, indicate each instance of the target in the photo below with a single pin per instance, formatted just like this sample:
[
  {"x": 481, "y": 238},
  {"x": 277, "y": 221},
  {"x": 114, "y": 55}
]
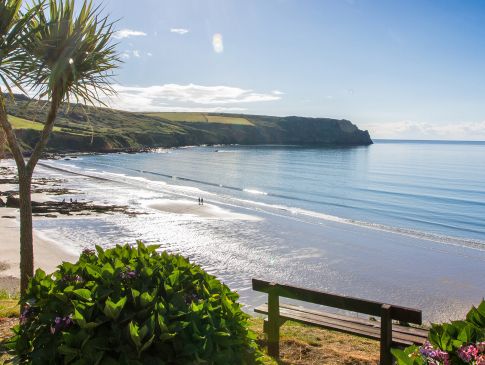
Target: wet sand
[
  {"x": 47, "y": 253},
  {"x": 207, "y": 210}
]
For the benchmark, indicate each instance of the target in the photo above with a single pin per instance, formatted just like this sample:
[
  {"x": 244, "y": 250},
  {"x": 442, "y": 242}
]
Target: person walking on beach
[{"x": 201, "y": 201}]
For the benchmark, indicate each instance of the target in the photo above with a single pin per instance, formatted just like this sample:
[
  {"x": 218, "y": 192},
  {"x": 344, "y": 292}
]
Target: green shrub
[{"x": 132, "y": 305}]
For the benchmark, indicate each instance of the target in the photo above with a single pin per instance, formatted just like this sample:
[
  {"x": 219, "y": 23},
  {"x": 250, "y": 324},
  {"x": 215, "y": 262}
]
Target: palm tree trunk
[
  {"x": 25, "y": 172},
  {"x": 25, "y": 180},
  {"x": 26, "y": 237},
  {"x": 25, "y": 184}
]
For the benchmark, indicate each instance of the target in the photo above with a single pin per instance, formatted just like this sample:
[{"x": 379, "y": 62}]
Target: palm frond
[
  {"x": 14, "y": 34},
  {"x": 76, "y": 57}
]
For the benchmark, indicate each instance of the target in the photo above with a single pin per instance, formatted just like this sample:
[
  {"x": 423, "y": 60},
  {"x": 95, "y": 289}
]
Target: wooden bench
[{"x": 383, "y": 330}]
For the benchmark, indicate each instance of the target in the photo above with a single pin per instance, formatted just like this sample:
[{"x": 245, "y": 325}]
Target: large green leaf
[
  {"x": 112, "y": 309},
  {"x": 407, "y": 356},
  {"x": 83, "y": 294}
]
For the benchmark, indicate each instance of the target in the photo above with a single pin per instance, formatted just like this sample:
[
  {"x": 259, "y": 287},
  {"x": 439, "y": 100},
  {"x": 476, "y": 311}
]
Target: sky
[{"x": 401, "y": 69}]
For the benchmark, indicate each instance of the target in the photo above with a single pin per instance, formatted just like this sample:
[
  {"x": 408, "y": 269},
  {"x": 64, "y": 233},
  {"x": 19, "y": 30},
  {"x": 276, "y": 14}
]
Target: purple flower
[
  {"x": 129, "y": 274},
  {"x": 61, "y": 323},
  {"x": 481, "y": 347},
  {"x": 434, "y": 356},
  {"x": 467, "y": 353}
]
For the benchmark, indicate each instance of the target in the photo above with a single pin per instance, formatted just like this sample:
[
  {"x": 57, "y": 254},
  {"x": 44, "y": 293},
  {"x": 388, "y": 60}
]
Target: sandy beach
[
  {"x": 47, "y": 254},
  {"x": 182, "y": 206}
]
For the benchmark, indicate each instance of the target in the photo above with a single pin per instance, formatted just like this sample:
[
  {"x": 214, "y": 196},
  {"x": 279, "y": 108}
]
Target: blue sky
[{"x": 402, "y": 69}]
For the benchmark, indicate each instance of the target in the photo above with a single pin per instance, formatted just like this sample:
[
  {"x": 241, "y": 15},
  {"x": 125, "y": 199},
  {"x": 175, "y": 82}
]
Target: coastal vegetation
[
  {"x": 98, "y": 129},
  {"x": 132, "y": 305},
  {"x": 300, "y": 345},
  {"x": 63, "y": 55}
]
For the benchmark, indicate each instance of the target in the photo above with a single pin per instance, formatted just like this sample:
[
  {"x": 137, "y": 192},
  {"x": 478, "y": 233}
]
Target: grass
[
  {"x": 21, "y": 123},
  {"x": 301, "y": 344},
  {"x": 228, "y": 120},
  {"x": 9, "y": 308},
  {"x": 9, "y": 305},
  {"x": 202, "y": 118},
  {"x": 181, "y": 117}
]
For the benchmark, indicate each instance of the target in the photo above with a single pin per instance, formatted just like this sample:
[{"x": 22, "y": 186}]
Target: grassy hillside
[
  {"x": 202, "y": 118},
  {"x": 86, "y": 129},
  {"x": 21, "y": 123}
]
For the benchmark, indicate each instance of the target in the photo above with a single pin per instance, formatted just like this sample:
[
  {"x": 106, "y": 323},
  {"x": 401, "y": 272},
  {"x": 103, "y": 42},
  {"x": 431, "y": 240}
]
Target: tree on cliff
[{"x": 61, "y": 55}]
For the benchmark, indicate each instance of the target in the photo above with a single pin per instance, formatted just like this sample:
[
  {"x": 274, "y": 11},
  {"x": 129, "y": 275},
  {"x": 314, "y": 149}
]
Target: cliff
[{"x": 91, "y": 129}]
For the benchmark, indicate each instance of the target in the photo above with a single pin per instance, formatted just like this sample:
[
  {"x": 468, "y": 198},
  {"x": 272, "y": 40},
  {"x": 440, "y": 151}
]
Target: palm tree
[{"x": 66, "y": 55}]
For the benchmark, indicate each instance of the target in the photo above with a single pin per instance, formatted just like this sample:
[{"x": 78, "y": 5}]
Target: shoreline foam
[{"x": 190, "y": 192}]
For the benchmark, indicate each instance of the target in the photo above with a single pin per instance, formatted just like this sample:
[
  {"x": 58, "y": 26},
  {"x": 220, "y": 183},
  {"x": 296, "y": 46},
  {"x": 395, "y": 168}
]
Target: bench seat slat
[
  {"x": 397, "y": 328},
  {"x": 351, "y": 325}
]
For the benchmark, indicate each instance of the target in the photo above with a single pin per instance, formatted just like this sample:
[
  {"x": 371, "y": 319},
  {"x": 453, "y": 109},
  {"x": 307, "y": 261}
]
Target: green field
[
  {"x": 20, "y": 123},
  {"x": 201, "y": 118},
  {"x": 228, "y": 120}
]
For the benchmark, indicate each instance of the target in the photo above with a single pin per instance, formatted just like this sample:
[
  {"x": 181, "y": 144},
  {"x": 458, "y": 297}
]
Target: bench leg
[
  {"x": 386, "y": 335},
  {"x": 273, "y": 325}
]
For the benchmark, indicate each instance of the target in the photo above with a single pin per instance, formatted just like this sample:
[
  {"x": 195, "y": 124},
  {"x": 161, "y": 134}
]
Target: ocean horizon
[{"x": 437, "y": 141}]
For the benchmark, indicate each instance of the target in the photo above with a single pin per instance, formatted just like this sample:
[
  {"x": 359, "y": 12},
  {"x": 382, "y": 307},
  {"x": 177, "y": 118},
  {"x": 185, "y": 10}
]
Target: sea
[{"x": 401, "y": 222}]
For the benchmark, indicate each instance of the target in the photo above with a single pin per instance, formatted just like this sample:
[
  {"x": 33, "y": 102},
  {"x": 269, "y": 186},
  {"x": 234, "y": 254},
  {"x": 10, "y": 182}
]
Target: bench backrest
[{"x": 369, "y": 307}]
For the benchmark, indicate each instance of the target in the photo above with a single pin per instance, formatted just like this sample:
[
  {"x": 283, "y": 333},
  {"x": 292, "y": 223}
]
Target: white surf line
[
  {"x": 133, "y": 184},
  {"x": 447, "y": 240},
  {"x": 441, "y": 239}
]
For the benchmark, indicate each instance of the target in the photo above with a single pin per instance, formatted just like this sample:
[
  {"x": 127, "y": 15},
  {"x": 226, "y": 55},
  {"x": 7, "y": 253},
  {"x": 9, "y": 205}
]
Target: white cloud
[
  {"x": 134, "y": 53},
  {"x": 277, "y": 92},
  {"x": 126, "y": 33},
  {"x": 185, "y": 98},
  {"x": 149, "y": 54},
  {"x": 421, "y": 130},
  {"x": 180, "y": 31},
  {"x": 217, "y": 43}
]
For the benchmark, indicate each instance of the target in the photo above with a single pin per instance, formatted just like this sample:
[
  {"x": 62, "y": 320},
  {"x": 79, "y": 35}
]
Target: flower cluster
[
  {"x": 72, "y": 279},
  {"x": 129, "y": 274},
  {"x": 473, "y": 354},
  {"x": 434, "y": 356},
  {"x": 61, "y": 323},
  {"x": 467, "y": 353}
]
